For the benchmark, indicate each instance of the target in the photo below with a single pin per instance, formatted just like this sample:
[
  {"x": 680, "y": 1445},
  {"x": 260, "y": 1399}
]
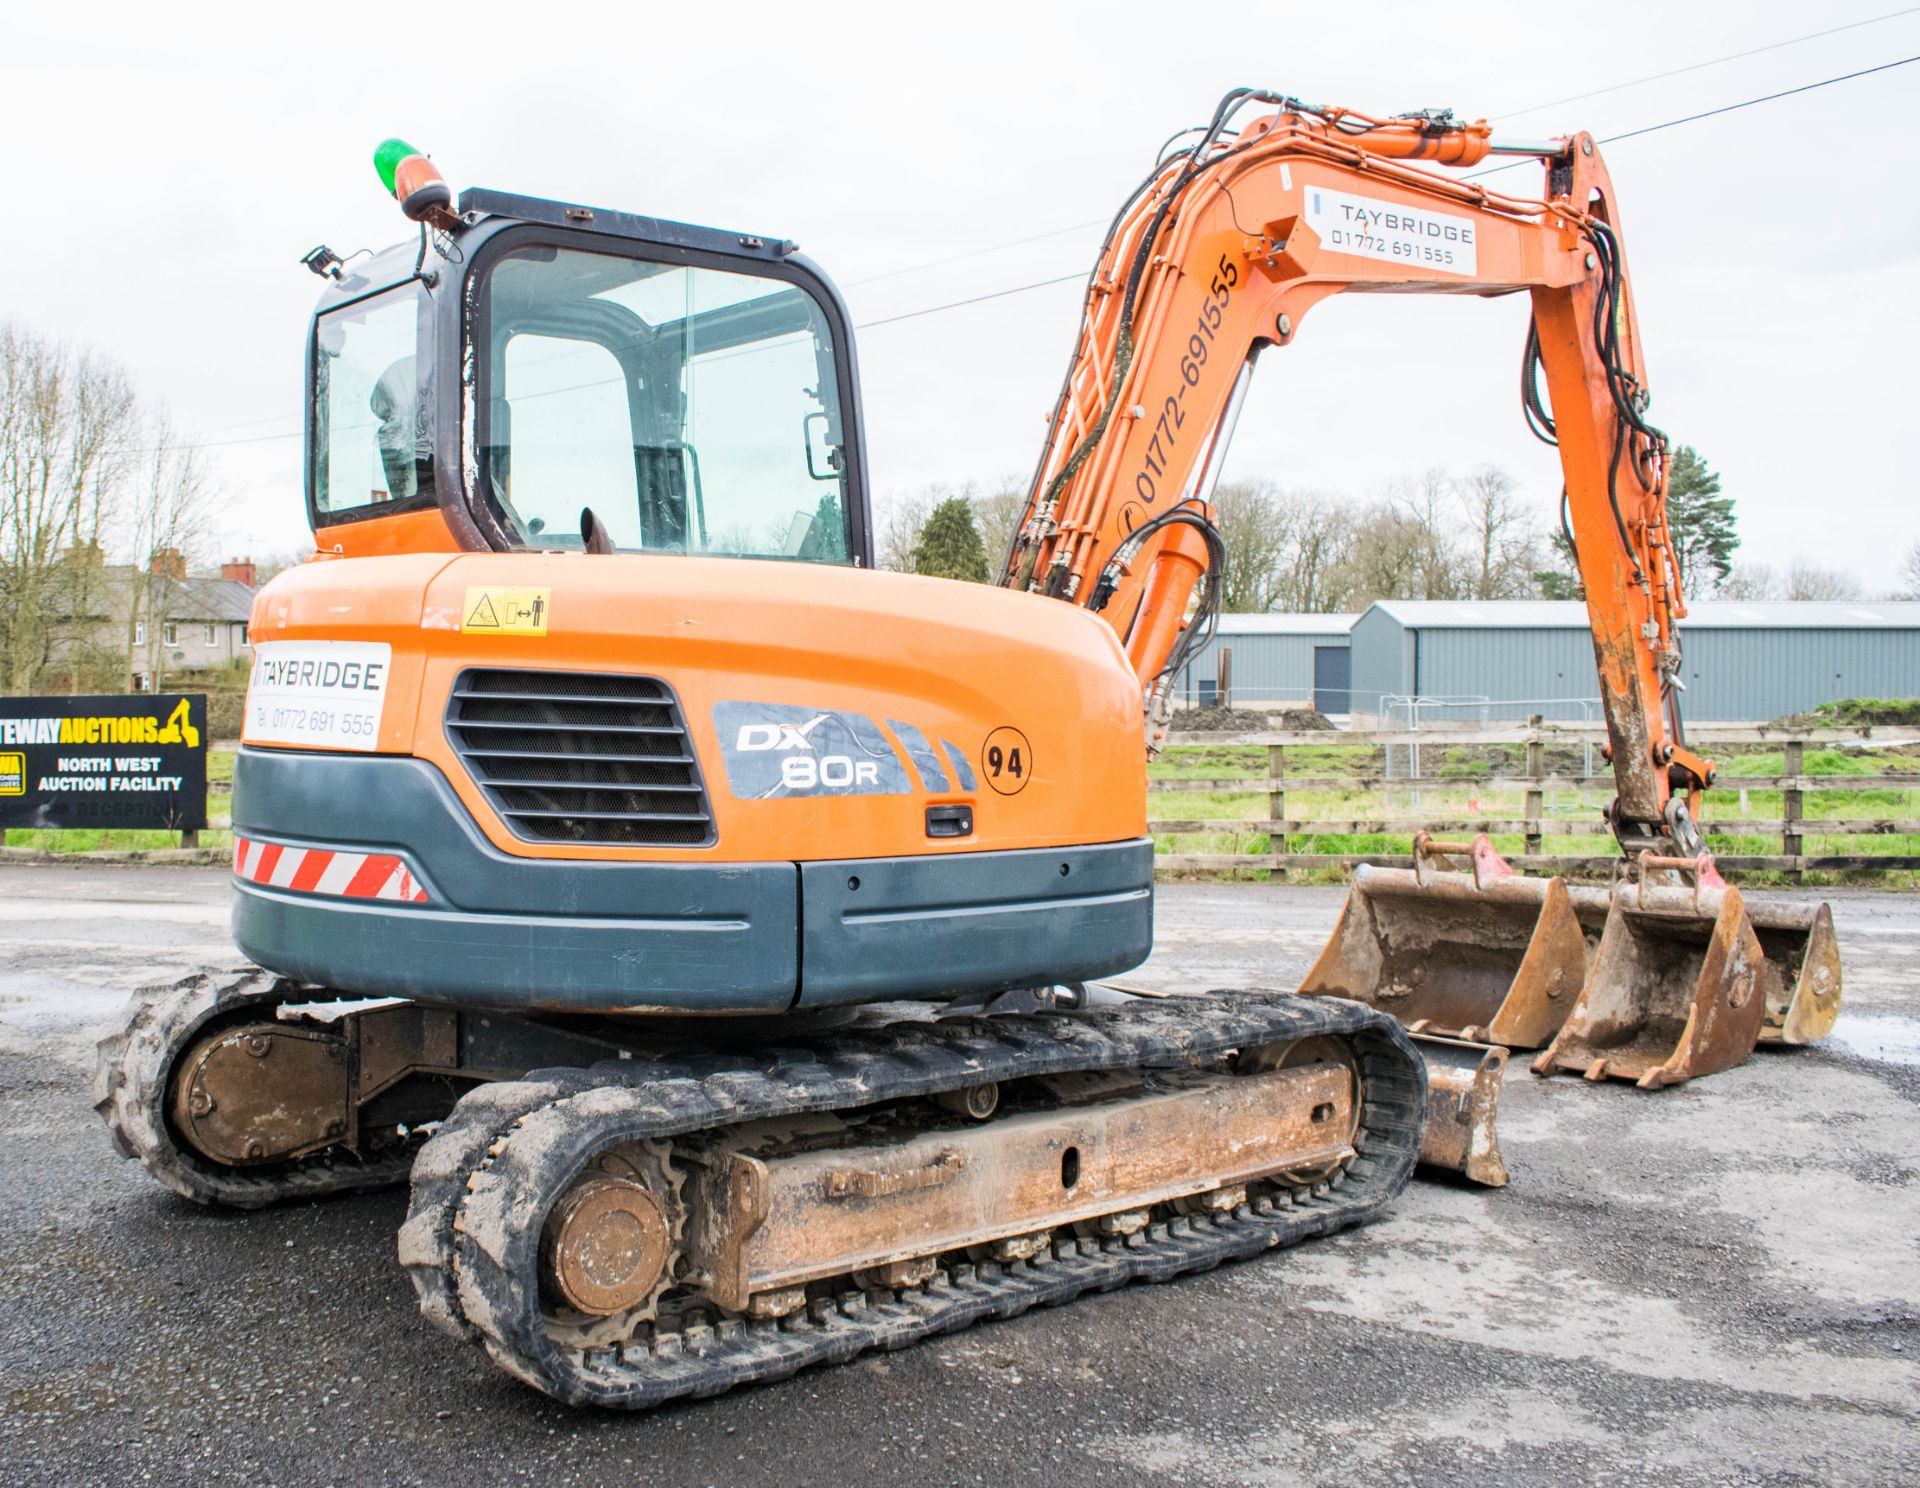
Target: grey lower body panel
[
  {"x": 556, "y": 963},
  {"x": 697, "y": 937},
  {"x": 917, "y": 927}
]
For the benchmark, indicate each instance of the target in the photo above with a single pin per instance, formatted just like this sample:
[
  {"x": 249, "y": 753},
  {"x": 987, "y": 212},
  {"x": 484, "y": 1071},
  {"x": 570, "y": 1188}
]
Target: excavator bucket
[
  {"x": 1486, "y": 956},
  {"x": 1678, "y": 987},
  {"x": 1801, "y": 979},
  {"x": 1463, "y": 1100}
]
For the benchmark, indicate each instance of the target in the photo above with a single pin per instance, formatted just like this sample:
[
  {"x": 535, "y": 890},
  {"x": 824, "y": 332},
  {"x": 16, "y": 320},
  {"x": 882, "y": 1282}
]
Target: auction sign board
[{"x": 137, "y": 760}]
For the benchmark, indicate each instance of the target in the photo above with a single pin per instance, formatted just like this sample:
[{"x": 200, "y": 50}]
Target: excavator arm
[{"x": 1222, "y": 251}]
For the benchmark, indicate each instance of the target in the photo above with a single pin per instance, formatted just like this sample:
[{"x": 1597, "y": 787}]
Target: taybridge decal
[
  {"x": 776, "y": 749},
  {"x": 1373, "y": 228},
  {"x": 326, "y": 693}
]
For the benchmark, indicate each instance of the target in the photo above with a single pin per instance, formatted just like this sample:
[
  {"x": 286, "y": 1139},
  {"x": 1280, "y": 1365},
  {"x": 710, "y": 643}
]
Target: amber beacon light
[{"x": 412, "y": 179}]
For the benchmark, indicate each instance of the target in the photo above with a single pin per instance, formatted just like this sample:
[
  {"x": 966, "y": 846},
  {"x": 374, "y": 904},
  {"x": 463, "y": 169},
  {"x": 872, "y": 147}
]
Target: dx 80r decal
[{"x": 775, "y": 749}]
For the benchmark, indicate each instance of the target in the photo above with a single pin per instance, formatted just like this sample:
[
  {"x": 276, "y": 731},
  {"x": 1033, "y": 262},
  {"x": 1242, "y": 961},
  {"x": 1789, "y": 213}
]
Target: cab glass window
[
  {"x": 372, "y": 416},
  {"x": 691, "y": 410}
]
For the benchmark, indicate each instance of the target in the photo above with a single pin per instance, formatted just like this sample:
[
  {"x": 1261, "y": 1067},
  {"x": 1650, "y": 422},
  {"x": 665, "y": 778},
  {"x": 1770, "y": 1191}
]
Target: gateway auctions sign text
[{"x": 134, "y": 761}]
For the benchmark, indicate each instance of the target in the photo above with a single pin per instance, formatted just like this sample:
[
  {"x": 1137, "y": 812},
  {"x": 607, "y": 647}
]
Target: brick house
[
  {"x": 121, "y": 625},
  {"x": 191, "y": 623},
  {"x": 186, "y": 623}
]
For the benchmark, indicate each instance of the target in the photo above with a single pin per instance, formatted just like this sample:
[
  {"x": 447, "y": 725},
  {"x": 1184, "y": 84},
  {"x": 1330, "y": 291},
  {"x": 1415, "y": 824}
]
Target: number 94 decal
[{"x": 1006, "y": 759}]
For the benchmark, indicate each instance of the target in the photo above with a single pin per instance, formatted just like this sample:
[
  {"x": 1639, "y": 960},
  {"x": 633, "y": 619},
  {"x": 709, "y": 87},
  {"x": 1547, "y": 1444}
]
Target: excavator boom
[
  {"x": 1217, "y": 256},
  {"x": 1221, "y": 253}
]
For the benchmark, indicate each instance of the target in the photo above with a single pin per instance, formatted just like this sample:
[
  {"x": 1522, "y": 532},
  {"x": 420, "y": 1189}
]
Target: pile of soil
[
  {"x": 1857, "y": 712},
  {"x": 1240, "y": 721}
]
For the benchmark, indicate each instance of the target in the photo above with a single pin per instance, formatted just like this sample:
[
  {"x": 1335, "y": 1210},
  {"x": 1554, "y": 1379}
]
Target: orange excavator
[{"x": 710, "y": 927}]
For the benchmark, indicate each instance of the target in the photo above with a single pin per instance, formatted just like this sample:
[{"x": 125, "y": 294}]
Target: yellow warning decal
[
  {"x": 492, "y": 610},
  {"x": 13, "y": 774}
]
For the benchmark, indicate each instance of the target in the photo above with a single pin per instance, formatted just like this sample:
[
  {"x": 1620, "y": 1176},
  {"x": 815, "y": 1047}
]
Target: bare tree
[
  {"x": 166, "y": 522},
  {"x": 1503, "y": 547},
  {"x": 995, "y": 511},
  {"x": 1910, "y": 574},
  {"x": 1286, "y": 550},
  {"x": 1387, "y": 558},
  {"x": 1255, "y": 530},
  {"x": 67, "y": 423},
  {"x": 1749, "y": 581},
  {"x": 1319, "y": 553},
  {"x": 1809, "y": 581},
  {"x": 1425, "y": 502},
  {"x": 278, "y": 561},
  {"x": 900, "y": 518}
]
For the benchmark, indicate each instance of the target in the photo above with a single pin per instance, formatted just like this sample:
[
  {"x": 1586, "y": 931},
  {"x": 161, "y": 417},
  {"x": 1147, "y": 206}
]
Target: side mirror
[{"x": 831, "y": 454}]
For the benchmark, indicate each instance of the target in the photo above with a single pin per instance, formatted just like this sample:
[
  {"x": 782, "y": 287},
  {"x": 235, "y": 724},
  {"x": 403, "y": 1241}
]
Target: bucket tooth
[
  {"x": 1463, "y": 1100},
  {"x": 1486, "y": 956},
  {"x": 1801, "y": 977},
  {"x": 1676, "y": 990}
]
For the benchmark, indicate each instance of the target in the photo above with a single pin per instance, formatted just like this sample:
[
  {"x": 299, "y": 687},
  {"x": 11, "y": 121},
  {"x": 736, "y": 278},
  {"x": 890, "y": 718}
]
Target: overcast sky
[{"x": 166, "y": 165}]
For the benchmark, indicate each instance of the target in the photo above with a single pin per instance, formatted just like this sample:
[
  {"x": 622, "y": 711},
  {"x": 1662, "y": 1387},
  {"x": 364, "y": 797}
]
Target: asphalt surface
[{"x": 1718, "y": 1283}]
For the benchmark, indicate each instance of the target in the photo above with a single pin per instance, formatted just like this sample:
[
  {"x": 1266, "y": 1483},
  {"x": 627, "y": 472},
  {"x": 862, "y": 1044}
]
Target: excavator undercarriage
[{"x": 638, "y": 1224}]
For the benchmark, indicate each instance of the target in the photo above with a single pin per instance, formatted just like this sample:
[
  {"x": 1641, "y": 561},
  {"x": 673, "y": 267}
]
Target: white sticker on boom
[
  {"x": 327, "y": 693},
  {"x": 1382, "y": 229}
]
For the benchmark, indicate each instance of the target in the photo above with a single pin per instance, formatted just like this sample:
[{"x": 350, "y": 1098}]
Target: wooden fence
[{"x": 1534, "y": 823}]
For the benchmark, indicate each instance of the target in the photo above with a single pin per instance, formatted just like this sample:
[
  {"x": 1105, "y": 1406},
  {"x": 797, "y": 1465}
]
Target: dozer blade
[
  {"x": 1463, "y": 1101},
  {"x": 1486, "y": 956},
  {"x": 1801, "y": 979},
  {"x": 1677, "y": 988}
]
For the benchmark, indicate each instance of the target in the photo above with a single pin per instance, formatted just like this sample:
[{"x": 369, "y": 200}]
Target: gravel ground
[{"x": 1712, "y": 1284}]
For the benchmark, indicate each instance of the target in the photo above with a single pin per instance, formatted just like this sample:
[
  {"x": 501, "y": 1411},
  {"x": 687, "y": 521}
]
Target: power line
[
  {"x": 1629, "y": 134},
  {"x": 999, "y": 294},
  {"x": 1728, "y": 108},
  {"x": 1654, "y": 77},
  {"x": 1766, "y": 98},
  {"x": 277, "y": 418},
  {"x": 200, "y": 444},
  {"x": 973, "y": 300},
  {"x": 1772, "y": 46},
  {"x": 935, "y": 263}
]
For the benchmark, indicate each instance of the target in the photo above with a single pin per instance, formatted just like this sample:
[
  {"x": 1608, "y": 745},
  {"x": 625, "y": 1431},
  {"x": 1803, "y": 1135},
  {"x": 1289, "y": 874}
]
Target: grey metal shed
[
  {"x": 1279, "y": 661},
  {"x": 1745, "y": 661}
]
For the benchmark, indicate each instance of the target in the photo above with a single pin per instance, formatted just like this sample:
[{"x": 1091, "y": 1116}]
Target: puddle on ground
[{"x": 1879, "y": 1040}]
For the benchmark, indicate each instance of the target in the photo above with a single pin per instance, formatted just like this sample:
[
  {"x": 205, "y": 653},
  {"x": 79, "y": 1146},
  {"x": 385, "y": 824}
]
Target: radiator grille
[{"x": 581, "y": 757}]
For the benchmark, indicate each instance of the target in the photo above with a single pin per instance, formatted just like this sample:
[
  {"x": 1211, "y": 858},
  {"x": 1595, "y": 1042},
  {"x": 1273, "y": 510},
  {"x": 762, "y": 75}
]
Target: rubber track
[
  {"x": 488, "y": 1224},
  {"x": 130, "y": 1093}
]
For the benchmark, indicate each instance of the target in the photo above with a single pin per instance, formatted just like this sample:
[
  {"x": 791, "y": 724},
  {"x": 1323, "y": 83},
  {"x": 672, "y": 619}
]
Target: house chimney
[
  {"x": 241, "y": 571},
  {"x": 168, "y": 563}
]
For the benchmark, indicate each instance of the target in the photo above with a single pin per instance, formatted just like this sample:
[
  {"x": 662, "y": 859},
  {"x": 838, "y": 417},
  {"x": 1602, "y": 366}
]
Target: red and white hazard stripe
[{"x": 321, "y": 870}]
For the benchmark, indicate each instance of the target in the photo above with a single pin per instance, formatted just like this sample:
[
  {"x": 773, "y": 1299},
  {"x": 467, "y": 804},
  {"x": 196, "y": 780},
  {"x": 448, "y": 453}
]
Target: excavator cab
[
  {"x": 646, "y": 721},
  {"x": 566, "y": 378}
]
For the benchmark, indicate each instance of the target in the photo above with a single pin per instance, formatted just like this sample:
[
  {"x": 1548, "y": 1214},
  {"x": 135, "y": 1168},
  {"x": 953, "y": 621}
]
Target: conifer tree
[
  {"x": 1700, "y": 521},
  {"x": 950, "y": 545}
]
